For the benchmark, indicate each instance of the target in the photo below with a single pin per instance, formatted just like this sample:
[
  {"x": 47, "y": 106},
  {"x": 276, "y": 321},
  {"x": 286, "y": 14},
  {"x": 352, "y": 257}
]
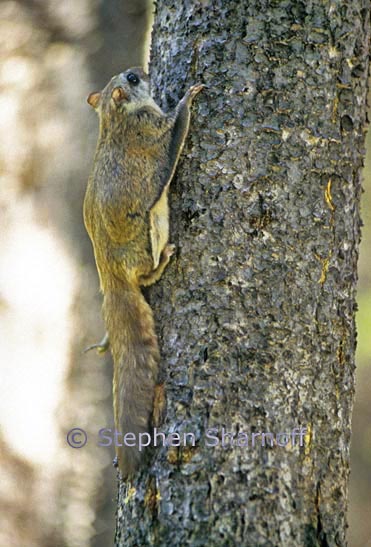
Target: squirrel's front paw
[{"x": 195, "y": 89}]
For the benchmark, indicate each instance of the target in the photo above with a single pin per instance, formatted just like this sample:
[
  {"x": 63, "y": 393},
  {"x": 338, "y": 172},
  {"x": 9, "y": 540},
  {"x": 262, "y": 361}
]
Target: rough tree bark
[{"x": 256, "y": 312}]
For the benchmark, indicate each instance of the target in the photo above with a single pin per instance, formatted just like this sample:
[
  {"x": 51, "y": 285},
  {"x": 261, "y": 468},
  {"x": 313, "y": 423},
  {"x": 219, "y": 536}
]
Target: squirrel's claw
[
  {"x": 101, "y": 347},
  {"x": 169, "y": 250},
  {"x": 195, "y": 89}
]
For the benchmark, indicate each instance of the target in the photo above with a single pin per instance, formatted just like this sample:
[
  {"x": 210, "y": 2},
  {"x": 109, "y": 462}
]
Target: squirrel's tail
[{"x": 135, "y": 352}]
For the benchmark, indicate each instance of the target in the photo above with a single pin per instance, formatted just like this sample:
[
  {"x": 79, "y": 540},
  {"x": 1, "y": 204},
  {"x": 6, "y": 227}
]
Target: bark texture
[{"x": 256, "y": 312}]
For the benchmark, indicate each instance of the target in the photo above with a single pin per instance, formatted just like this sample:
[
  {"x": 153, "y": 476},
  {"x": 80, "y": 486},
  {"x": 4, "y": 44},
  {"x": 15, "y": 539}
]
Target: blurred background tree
[{"x": 52, "y": 55}]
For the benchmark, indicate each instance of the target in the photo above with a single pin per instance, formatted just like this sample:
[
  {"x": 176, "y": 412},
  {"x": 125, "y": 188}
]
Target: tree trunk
[{"x": 256, "y": 312}]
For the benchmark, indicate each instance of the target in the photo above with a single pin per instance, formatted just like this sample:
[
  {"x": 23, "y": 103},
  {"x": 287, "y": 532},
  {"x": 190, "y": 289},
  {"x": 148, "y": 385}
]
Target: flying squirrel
[{"x": 127, "y": 217}]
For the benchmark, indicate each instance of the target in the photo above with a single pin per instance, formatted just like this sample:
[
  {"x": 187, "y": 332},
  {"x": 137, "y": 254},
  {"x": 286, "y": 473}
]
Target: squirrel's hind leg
[
  {"x": 101, "y": 347},
  {"x": 154, "y": 275}
]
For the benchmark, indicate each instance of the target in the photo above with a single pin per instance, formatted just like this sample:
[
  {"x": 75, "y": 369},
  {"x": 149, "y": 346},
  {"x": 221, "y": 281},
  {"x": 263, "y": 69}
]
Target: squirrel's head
[{"x": 125, "y": 93}]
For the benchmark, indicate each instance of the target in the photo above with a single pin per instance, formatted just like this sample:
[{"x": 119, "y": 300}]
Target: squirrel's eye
[{"x": 132, "y": 78}]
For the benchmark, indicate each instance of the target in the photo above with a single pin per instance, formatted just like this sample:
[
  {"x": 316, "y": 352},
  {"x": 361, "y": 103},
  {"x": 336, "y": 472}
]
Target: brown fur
[
  {"x": 126, "y": 215},
  {"x": 136, "y": 356}
]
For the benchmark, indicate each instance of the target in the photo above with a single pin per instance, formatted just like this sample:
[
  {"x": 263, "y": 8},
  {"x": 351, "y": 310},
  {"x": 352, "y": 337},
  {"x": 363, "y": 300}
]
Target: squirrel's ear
[
  {"x": 94, "y": 98},
  {"x": 119, "y": 94}
]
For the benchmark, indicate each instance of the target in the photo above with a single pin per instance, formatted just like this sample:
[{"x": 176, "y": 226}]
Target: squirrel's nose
[{"x": 119, "y": 94}]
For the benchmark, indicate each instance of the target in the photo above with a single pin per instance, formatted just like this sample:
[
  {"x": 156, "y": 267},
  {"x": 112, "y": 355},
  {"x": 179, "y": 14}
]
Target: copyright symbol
[{"x": 77, "y": 438}]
